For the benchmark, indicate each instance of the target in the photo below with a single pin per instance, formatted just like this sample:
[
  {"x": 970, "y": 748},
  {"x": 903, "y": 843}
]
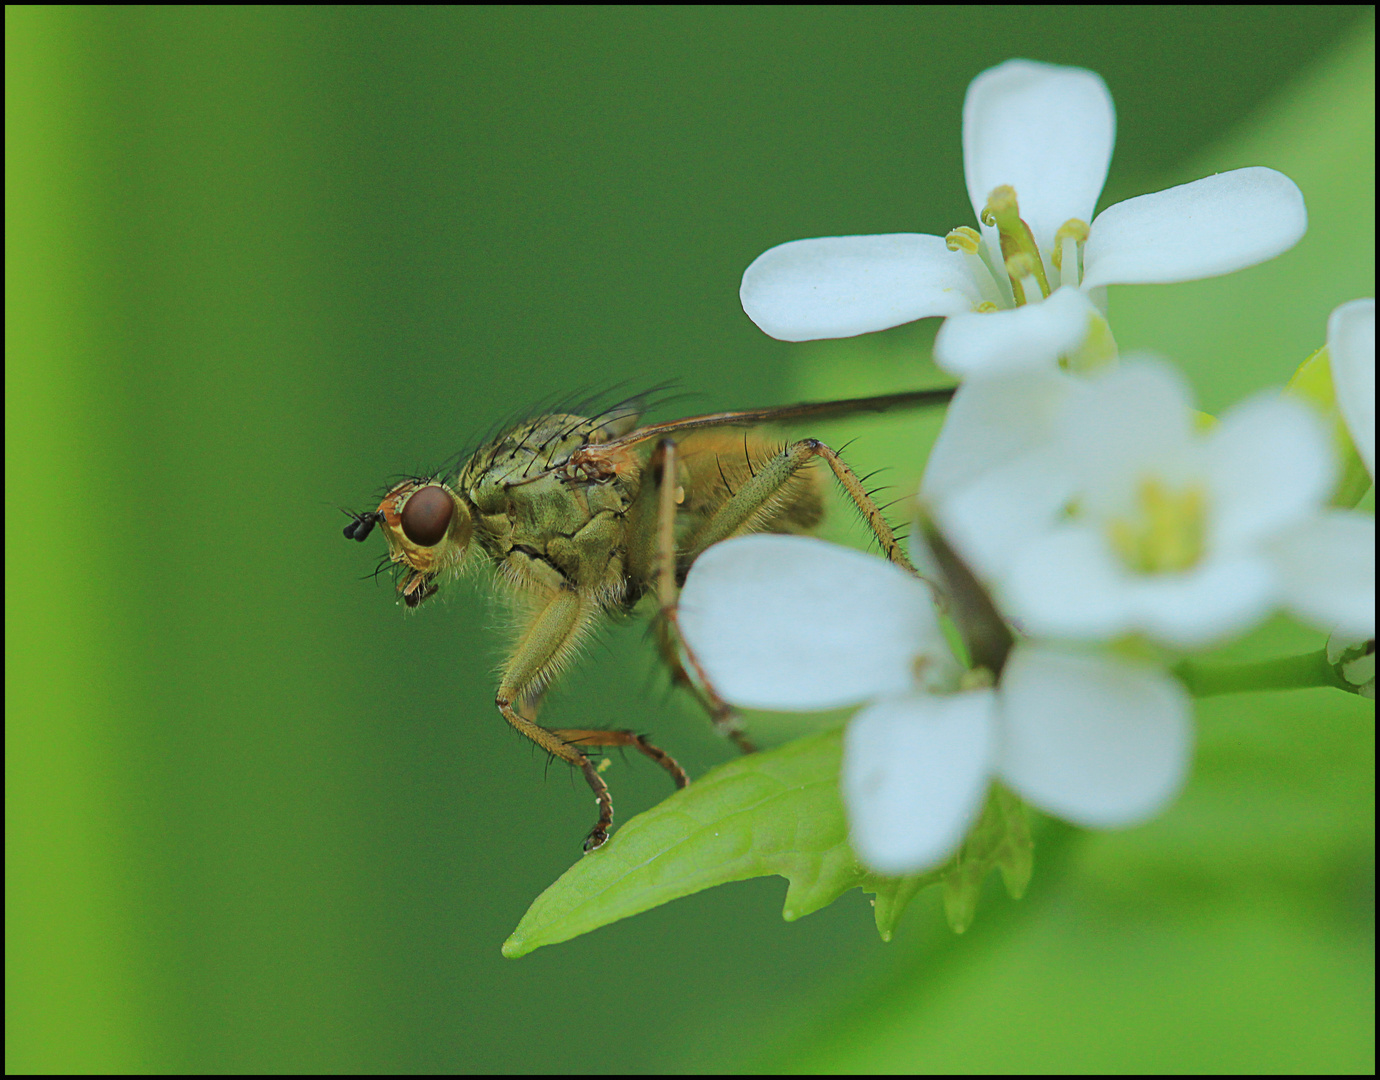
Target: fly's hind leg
[
  {"x": 733, "y": 516},
  {"x": 601, "y": 737},
  {"x": 547, "y": 642},
  {"x": 769, "y": 478},
  {"x": 669, "y": 638},
  {"x": 672, "y": 647}
]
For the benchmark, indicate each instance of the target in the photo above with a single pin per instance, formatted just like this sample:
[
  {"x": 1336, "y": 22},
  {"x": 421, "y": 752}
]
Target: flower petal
[
  {"x": 1097, "y": 741},
  {"x": 1066, "y": 583},
  {"x": 1327, "y": 571},
  {"x": 1216, "y": 600},
  {"x": 839, "y": 286},
  {"x": 1045, "y": 130},
  {"x": 995, "y": 516},
  {"x": 990, "y": 421},
  {"x": 1351, "y": 346},
  {"x": 915, "y": 770},
  {"x": 1129, "y": 422},
  {"x": 1212, "y": 226},
  {"x": 988, "y": 481},
  {"x": 1069, "y": 584},
  {"x": 1033, "y": 335},
  {"x": 791, "y": 622},
  {"x": 1270, "y": 463}
]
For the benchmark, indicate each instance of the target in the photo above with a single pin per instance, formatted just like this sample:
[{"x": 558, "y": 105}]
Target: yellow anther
[
  {"x": 1074, "y": 227},
  {"x": 1073, "y": 230},
  {"x": 965, "y": 239},
  {"x": 1020, "y": 266},
  {"x": 1167, "y": 532}
]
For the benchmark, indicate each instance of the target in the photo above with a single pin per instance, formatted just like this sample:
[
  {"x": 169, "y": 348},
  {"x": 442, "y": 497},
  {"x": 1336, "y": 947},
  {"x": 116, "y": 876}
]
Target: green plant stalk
[{"x": 1285, "y": 673}]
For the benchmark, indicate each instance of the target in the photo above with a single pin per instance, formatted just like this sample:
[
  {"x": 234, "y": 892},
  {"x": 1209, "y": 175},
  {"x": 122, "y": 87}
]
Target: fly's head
[{"x": 428, "y": 529}]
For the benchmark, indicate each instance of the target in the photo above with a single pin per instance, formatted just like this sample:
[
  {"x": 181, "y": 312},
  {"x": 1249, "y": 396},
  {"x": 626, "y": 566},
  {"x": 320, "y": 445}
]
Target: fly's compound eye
[{"x": 426, "y": 517}]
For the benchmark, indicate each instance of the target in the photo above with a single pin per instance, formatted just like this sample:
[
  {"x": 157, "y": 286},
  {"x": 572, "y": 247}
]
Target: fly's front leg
[
  {"x": 547, "y": 642},
  {"x": 669, "y": 638}
]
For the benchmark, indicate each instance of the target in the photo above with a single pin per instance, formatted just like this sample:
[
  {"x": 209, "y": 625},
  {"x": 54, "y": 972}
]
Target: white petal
[
  {"x": 1045, "y": 130},
  {"x": 915, "y": 771},
  {"x": 1131, "y": 422},
  {"x": 990, "y": 422},
  {"x": 839, "y": 286},
  {"x": 1069, "y": 584},
  {"x": 990, "y": 482},
  {"x": 1212, "y": 226},
  {"x": 1327, "y": 571},
  {"x": 1351, "y": 347},
  {"x": 1033, "y": 335},
  {"x": 1270, "y": 463},
  {"x": 1066, "y": 583},
  {"x": 791, "y": 622},
  {"x": 991, "y": 520},
  {"x": 1098, "y": 741},
  {"x": 1216, "y": 600}
]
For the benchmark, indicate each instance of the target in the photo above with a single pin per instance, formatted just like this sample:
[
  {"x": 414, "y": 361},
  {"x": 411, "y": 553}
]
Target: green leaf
[{"x": 775, "y": 812}]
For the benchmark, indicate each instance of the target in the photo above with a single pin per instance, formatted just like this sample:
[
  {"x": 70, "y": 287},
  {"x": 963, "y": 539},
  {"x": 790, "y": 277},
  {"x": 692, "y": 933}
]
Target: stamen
[
  {"x": 1168, "y": 533},
  {"x": 1020, "y": 269},
  {"x": 1068, "y": 250},
  {"x": 968, "y": 241},
  {"x": 965, "y": 239},
  {"x": 1003, "y": 212}
]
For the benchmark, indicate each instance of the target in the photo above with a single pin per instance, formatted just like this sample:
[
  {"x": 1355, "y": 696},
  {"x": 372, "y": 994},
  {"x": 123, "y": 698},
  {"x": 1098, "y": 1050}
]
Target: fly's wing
[
  {"x": 599, "y": 461},
  {"x": 809, "y": 410},
  {"x": 616, "y": 420}
]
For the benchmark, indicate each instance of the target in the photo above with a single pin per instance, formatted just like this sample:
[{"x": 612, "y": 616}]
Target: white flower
[
  {"x": 1030, "y": 287},
  {"x": 790, "y": 622},
  {"x": 1351, "y": 349},
  {"x": 1113, "y": 514},
  {"x": 1332, "y": 558}
]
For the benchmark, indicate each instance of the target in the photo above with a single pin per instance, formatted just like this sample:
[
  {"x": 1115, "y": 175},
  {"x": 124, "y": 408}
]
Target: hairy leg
[
  {"x": 548, "y": 640},
  {"x": 736, "y": 512}
]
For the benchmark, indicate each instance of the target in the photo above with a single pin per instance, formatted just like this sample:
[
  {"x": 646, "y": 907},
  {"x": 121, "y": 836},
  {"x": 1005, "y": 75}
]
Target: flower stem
[{"x": 1285, "y": 673}]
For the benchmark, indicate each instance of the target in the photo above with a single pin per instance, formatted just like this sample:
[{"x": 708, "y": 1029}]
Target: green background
[{"x": 259, "y": 260}]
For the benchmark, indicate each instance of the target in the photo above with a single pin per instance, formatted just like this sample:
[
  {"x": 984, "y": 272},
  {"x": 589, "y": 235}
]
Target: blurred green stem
[{"x": 1285, "y": 673}]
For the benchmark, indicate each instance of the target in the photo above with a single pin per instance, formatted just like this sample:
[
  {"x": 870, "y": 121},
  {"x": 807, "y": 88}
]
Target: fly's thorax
[
  {"x": 528, "y": 450},
  {"x": 557, "y": 531},
  {"x": 544, "y": 522},
  {"x": 428, "y": 529}
]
